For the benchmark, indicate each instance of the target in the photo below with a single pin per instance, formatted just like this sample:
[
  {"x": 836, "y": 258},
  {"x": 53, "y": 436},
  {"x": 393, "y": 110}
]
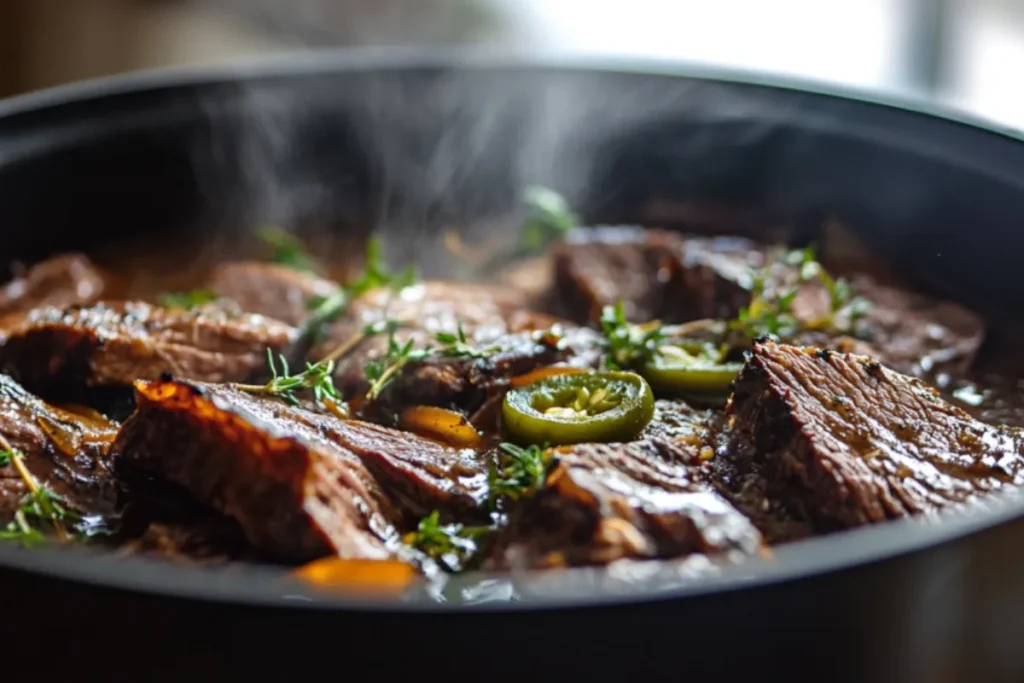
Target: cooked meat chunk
[
  {"x": 675, "y": 279},
  {"x": 59, "y": 281},
  {"x": 844, "y": 441},
  {"x": 301, "y": 485},
  {"x": 485, "y": 313},
  {"x": 113, "y": 344},
  {"x": 533, "y": 278},
  {"x": 650, "y": 498},
  {"x": 65, "y": 449},
  {"x": 596, "y": 267},
  {"x": 510, "y": 340},
  {"x": 159, "y": 518},
  {"x": 273, "y": 290},
  {"x": 915, "y": 333},
  {"x": 656, "y": 274},
  {"x": 716, "y": 277}
]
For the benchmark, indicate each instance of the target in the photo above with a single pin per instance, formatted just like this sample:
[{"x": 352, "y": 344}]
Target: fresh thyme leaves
[
  {"x": 550, "y": 218},
  {"x": 523, "y": 471},
  {"x": 5, "y": 458},
  {"x": 375, "y": 274},
  {"x": 628, "y": 345},
  {"x": 771, "y": 312},
  {"x": 452, "y": 545},
  {"x": 282, "y": 384},
  {"x": 40, "y": 506},
  {"x": 324, "y": 310},
  {"x": 197, "y": 297},
  {"x": 382, "y": 372},
  {"x": 766, "y": 315},
  {"x": 456, "y": 346},
  {"x": 288, "y": 250}
]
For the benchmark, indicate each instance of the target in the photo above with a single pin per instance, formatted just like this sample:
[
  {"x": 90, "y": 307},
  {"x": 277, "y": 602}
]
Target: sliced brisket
[
  {"x": 657, "y": 275},
  {"x": 113, "y": 344},
  {"x": 514, "y": 341},
  {"x": 674, "y": 278},
  {"x": 596, "y": 267},
  {"x": 917, "y": 334},
  {"x": 301, "y": 485},
  {"x": 843, "y": 441},
  {"x": 270, "y": 289},
  {"x": 59, "y": 281},
  {"x": 65, "y": 450},
  {"x": 651, "y": 498}
]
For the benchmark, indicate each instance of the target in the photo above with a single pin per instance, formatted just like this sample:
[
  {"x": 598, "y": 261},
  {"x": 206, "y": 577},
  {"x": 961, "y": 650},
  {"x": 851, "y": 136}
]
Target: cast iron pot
[{"x": 410, "y": 143}]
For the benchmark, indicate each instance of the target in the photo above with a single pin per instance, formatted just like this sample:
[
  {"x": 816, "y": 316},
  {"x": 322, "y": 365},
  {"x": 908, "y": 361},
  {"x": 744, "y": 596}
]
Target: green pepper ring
[
  {"x": 704, "y": 379},
  {"x": 525, "y": 424}
]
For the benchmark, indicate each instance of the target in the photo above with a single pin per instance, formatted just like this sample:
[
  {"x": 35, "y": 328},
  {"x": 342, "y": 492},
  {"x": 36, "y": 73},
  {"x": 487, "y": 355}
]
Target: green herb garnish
[
  {"x": 524, "y": 471},
  {"x": 766, "y": 315},
  {"x": 772, "y": 314},
  {"x": 39, "y": 507},
  {"x": 282, "y": 384},
  {"x": 456, "y": 346},
  {"x": 452, "y": 545},
  {"x": 186, "y": 300},
  {"x": 324, "y": 310},
  {"x": 382, "y": 372},
  {"x": 628, "y": 345},
  {"x": 288, "y": 250},
  {"x": 550, "y": 219}
]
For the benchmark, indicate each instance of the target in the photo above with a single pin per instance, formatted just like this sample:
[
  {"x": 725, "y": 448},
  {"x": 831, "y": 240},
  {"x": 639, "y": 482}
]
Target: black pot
[{"x": 347, "y": 141}]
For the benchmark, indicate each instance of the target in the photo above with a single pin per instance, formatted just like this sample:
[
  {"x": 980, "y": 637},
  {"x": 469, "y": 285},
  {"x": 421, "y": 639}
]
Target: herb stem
[
  {"x": 378, "y": 385},
  {"x": 33, "y": 488}
]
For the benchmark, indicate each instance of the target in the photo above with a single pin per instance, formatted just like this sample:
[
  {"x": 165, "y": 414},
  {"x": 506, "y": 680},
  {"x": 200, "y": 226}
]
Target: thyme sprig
[
  {"x": 327, "y": 309},
  {"x": 317, "y": 377},
  {"x": 628, "y": 345},
  {"x": 520, "y": 473},
  {"x": 550, "y": 219},
  {"x": 454, "y": 546},
  {"x": 380, "y": 373},
  {"x": 41, "y": 506},
  {"x": 524, "y": 471},
  {"x": 770, "y": 311},
  {"x": 288, "y": 250}
]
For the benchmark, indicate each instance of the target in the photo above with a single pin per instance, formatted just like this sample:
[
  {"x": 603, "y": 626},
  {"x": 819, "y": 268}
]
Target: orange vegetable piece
[
  {"x": 439, "y": 423},
  {"x": 367, "y": 576}
]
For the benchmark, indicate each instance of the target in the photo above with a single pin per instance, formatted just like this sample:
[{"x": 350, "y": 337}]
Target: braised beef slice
[
  {"x": 513, "y": 340},
  {"x": 675, "y": 279},
  {"x": 915, "y": 333},
  {"x": 60, "y": 281},
  {"x": 598, "y": 266},
  {"x": 270, "y": 289},
  {"x": 113, "y": 344},
  {"x": 300, "y": 485},
  {"x": 844, "y": 441},
  {"x": 65, "y": 449},
  {"x": 159, "y": 518},
  {"x": 707, "y": 431},
  {"x": 651, "y": 498}
]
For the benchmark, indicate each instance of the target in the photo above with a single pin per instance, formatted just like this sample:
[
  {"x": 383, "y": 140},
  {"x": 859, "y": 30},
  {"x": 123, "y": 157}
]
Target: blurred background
[{"x": 967, "y": 53}]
